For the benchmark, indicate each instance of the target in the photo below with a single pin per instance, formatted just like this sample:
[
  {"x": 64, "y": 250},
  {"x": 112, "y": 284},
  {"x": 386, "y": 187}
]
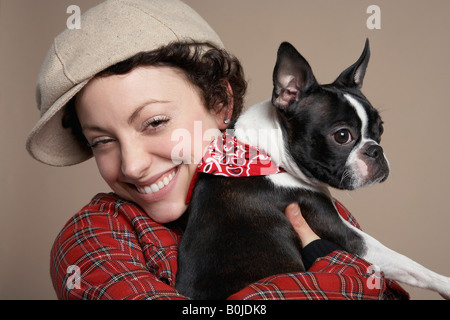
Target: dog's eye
[
  {"x": 381, "y": 129},
  {"x": 343, "y": 136}
]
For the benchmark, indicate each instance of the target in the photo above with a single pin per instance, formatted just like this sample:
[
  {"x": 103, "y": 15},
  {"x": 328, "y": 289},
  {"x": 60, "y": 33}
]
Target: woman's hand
[{"x": 295, "y": 217}]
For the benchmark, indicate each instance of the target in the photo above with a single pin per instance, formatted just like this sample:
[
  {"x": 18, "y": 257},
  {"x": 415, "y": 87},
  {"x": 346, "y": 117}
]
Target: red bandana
[{"x": 228, "y": 157}]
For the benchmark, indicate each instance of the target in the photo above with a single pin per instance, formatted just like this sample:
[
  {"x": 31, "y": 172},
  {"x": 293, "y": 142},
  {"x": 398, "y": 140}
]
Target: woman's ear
[{"x": 225, "y": 112}]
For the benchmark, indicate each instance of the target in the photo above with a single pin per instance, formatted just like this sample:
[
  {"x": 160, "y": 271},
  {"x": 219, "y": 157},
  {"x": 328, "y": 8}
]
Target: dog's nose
[{"x": 374, "y": 151}]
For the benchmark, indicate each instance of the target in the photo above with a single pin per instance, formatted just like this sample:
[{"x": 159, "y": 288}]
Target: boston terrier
[{"x": 320, "y": 136}]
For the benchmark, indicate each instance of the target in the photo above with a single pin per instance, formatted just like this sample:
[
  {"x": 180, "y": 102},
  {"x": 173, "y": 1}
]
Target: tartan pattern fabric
[
  {"x": 121, "y": 253},
  {"x": 338, "y": 276}
]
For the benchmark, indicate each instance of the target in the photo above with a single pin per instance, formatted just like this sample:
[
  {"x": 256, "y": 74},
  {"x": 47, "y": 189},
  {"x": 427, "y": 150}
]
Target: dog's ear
[
  {"x": 353, "y": 76},
  {"x": 292, "y": 76}
]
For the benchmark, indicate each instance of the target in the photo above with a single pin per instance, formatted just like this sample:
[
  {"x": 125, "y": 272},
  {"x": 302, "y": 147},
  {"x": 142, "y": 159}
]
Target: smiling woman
[
  {"x": 128, "y": 120},
  {"x": 127, "y": 115},
  {"x": 118, "y": 89}
]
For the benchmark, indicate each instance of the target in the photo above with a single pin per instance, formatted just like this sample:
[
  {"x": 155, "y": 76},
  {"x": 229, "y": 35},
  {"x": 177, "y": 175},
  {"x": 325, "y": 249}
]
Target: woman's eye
[
  {"x": 99, "y": 142},
  {"x": 155, "y": 123},
  {"x": 343, "y": 136}
]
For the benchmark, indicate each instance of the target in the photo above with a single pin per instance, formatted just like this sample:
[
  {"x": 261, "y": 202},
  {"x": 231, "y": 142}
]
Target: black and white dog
[{"x": 325, "y": 135}]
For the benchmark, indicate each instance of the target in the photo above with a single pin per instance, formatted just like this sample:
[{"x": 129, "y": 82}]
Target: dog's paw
[
  {"x": 445, "y": 293},
  {"x": 445, "y": 289},
  {"x": 445, "y": 296}
]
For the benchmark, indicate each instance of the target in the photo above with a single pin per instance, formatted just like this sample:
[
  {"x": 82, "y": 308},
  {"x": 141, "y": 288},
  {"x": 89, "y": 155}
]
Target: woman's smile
[
  {"x": 156, "y": 190},
  {"x": 159, "y": 184}
]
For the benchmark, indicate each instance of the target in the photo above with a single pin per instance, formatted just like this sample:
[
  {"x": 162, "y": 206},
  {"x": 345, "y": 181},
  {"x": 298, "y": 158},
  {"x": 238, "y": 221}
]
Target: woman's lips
[{"x": 158, "y": 185}]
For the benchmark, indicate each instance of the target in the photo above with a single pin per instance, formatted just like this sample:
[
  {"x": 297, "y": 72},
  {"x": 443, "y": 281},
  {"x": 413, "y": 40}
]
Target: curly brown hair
[{"x": 206, "y": 66}]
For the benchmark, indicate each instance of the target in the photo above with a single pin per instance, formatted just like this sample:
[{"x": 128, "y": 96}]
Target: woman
[{"x": 118, "y": 88}]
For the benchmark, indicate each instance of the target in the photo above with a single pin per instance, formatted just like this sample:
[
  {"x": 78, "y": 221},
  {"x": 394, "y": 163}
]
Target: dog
[{"x": 320, "y": 136}]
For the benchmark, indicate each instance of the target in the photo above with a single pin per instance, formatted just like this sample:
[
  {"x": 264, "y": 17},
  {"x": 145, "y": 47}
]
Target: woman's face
[{"x": 148, "y": 130}]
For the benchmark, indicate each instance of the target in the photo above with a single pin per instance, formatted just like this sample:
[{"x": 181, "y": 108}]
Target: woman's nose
[{"x": 136, "y": 161}]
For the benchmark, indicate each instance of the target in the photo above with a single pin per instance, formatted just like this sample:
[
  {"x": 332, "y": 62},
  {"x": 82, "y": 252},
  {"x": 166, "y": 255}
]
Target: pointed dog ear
[
  {"x": 292, "y": 76},
  {"x": 353, "y": 76}
]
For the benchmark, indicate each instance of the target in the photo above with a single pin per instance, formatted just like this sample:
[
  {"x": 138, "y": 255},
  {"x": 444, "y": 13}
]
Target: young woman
[{"x": 119, "y": 89}]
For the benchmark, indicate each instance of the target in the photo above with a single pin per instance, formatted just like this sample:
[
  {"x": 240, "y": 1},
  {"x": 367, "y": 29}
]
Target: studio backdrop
[{"x": 407, "y": 80}]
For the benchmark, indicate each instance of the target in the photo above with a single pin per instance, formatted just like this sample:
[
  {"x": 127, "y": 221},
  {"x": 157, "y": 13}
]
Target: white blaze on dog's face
[{"x": 366, "y": 163}]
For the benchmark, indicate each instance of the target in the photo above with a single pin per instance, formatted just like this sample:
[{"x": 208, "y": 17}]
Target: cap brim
[{"x": 49, "y": 142}]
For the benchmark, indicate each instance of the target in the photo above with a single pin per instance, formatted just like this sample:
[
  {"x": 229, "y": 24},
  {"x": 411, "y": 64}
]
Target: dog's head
[{"x": 332, "y": 131}]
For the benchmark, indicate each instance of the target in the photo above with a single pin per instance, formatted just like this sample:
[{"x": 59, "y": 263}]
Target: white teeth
[{"x": 155, "y": 187}]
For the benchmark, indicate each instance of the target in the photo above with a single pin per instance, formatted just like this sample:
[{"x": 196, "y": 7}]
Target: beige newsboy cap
[{"x": 110, "y": 32}]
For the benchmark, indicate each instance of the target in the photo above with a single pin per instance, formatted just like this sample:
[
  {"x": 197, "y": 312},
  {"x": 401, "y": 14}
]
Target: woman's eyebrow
[
  {"x": 93, "y": 128},
  {"x": 138, "y": 110}
]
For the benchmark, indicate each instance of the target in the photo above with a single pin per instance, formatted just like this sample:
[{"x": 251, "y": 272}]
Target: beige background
[{"x": 407, "y": 79}]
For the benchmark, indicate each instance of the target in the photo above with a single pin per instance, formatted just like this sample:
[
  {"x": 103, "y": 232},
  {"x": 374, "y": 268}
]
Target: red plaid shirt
[{"x": 112, "y": 250}]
